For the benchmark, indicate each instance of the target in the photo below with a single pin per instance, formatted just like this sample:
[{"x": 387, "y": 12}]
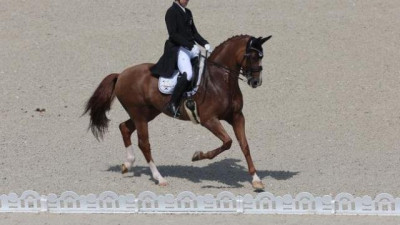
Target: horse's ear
[{"x": 265, "y": 39}]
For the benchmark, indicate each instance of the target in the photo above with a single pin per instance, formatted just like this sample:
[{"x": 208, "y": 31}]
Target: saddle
[{"x": 167, "y": 85}]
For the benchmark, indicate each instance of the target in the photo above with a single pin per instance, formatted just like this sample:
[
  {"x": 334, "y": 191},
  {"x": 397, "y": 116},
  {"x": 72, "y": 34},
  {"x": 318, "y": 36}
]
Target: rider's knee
[
  {"x": 189, "y": 75},
  {"x": 186, "y": 75}
]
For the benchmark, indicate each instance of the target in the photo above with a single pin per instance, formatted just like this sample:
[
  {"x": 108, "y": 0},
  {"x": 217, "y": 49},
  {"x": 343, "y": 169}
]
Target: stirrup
[
  {"x": 175, "y": 113},
  {"x": 191, "y": 110}
]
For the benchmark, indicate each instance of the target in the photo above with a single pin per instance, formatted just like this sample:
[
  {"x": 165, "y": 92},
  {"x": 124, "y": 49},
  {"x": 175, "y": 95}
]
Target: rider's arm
[{"x": 197, "y": 37}]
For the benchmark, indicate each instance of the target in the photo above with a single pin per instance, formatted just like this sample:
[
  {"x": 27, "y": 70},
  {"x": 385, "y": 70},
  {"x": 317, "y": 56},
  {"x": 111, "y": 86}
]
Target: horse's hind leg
[
  {"x": 144, "y": 145},
  {"x": 127, "y": 128},
  {"x": 215, "y": 126},
  {"x": 141, "y": 117}
]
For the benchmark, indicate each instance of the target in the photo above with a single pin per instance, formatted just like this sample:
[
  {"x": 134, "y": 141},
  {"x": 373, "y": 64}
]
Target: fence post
[
  {"x": 239, "y": 204},
  {"x": 43, "y": 204},
  {"x": 333, "y": 206}
]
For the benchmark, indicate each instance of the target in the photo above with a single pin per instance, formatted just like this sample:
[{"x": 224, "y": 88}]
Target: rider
[{"x": 179, "y": 49}]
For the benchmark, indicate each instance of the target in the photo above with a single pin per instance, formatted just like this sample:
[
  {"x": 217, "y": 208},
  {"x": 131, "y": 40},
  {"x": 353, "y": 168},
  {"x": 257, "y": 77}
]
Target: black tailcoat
[{"x": 182, "y": 32}]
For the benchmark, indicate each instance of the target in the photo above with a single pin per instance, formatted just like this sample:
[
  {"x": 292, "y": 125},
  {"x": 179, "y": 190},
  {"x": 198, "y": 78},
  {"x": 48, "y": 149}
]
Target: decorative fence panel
[{"x": 188, "y": 202}]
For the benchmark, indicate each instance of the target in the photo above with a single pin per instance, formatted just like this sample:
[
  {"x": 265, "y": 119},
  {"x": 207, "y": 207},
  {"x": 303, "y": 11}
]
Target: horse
[{"x": 218, "y": 98}]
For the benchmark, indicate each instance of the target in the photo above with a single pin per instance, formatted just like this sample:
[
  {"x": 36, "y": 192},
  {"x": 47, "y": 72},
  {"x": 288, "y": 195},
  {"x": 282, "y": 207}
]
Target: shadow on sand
[{"x": 227, "y": 172}]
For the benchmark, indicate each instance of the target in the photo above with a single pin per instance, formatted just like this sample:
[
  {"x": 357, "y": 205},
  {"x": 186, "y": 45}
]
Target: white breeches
[{"x": 184, "y": 64}]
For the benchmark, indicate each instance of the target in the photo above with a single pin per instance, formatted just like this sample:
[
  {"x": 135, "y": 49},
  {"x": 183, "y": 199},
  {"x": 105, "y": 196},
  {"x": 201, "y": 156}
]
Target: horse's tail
[{"x": 99, "y": 104}]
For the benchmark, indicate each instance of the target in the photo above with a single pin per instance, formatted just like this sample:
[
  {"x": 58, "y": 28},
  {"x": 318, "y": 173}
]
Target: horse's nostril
[{"x": 255, "y": 82}]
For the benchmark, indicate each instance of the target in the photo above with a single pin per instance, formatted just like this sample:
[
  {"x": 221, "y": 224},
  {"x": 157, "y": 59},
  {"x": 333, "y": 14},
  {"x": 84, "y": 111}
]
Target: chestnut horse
[{"x": 218, "y": 98}]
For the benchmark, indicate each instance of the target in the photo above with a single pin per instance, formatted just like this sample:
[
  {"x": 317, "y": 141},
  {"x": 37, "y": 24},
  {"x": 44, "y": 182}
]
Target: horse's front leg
[
  {"x": 215, "y": 126},
  {"x": 238, "y": 124}
]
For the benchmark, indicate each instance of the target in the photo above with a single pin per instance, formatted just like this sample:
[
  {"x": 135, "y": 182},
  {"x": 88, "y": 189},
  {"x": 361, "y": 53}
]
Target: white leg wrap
[
  {"x": 130, "y": 157},
  {"x": 156, "y": 174},
  {"x": 256, "y": 178}
]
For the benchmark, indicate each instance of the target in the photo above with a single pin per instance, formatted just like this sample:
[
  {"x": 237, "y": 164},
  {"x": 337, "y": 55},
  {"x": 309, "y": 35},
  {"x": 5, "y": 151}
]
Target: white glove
[
  {"x": 208, "y": 48},
  {"x": 195, "y": 51}
]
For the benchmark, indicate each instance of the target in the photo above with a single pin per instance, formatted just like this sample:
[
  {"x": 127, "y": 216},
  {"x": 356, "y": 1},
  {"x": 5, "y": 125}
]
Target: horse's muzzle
[{"x": 254, "y": 82}]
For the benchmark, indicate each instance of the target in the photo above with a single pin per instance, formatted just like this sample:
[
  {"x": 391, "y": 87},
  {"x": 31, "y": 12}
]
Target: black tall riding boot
[
  {"x": 180, "y": 88},
  {"x": 195, "y": 67}
]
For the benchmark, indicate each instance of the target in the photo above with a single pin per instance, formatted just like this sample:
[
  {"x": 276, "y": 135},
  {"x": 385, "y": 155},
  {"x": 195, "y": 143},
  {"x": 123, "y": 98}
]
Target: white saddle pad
[{"x": 167, "y": 85}]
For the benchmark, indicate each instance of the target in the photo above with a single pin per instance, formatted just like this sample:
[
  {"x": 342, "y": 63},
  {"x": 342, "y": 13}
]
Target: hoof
[
  {"x": 258, "y": 185},
  {"x": 163, "y": 183},
  {"x": 197, "y": 156},
  {"x": 124, "y": 169}
]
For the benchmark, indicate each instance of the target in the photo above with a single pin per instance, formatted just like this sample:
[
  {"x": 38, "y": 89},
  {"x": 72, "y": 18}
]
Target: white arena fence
[{"x": 188, "y": 202}]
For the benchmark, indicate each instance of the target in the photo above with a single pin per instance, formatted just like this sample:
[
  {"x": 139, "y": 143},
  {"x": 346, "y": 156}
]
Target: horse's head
[{"x": 251, "y": 61}]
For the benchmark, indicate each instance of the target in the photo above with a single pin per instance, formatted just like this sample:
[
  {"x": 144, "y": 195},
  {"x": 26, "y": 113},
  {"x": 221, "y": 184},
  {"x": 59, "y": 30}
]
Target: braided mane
[{"x": 220, "y": 46}]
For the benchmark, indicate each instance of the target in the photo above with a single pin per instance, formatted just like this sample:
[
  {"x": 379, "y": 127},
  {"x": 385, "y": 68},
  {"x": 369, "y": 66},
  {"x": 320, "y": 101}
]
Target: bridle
[
  {"x": 248, "y": 72},
  {"x": 245, "y": 71}
]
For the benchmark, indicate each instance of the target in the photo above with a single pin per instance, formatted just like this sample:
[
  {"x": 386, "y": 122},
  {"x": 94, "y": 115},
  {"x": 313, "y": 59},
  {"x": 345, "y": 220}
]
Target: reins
[{"x": 228, "y": 70}]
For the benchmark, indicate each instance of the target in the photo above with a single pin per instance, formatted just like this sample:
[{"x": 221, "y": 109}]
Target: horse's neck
[
  {"x": 221, "y": 81},
  {"x": 227, "y": 58}
]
